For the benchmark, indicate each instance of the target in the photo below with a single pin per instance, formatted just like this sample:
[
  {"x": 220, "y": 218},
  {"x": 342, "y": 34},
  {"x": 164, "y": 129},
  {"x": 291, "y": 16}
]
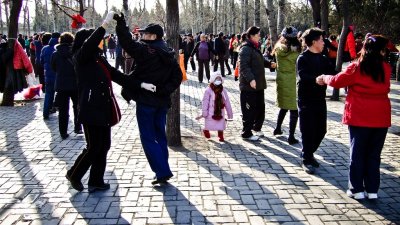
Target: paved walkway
[{"x": 235, "y": 182}]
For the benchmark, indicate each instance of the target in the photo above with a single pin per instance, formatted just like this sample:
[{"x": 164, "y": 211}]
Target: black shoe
[
  {"x": 308, "y": 168},
  {"x": 236, "y": 78},
  {"x": 45, "y": 117},
  {"x": 291, "y": 140},
  {"x": 278, "y": 132},
  {"x": 64, "y": 136},
  {"x": 163, "y": 180},
  {"x": 77, "y": 185},
  {"x": 314, "y": 163},
  {"x": 53, "y": 110},
  {"x": 229, "y": 73},
  {"x": 101, "y": 187},
  {"x": 78, "y": 131}
]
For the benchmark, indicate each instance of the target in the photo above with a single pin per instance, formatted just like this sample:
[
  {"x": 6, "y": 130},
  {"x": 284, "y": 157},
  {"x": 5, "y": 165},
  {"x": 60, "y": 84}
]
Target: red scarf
[
  {"x": 256, "y": 44},
  {"x": 219, "y": 102},
  {"x": 115, "y": 111}
]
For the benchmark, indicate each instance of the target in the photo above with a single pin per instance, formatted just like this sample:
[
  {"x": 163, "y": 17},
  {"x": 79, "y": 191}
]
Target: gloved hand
[
  {"x": 120, "y": 19},
  {"x": 108, "y": 19},
  {"x": 149, "y": 87}
]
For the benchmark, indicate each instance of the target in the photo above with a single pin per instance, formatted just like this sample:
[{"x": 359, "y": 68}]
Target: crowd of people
[{"x": 76, "y": 68}]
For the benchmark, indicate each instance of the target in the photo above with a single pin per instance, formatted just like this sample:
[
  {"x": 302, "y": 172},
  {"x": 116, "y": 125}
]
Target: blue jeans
[
  {"x": 48, "y": 99},
  {"x": 152, "y": 121},
  {"x": 365, "y": 158}
]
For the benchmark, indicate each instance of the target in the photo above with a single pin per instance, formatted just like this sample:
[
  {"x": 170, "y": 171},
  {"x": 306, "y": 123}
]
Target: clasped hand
[{"x": 320, "y": 80}]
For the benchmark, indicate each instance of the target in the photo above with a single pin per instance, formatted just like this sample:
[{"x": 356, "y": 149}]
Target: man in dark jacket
[
  {"x": 156, "y": 74},
  {"x": 220, "y": 50},
  {"x": 65, "y": 84},
  {"x": 188, "y": 46},
  {"x": 252, "y": 85},
  {"x": 311, "y": 96}
]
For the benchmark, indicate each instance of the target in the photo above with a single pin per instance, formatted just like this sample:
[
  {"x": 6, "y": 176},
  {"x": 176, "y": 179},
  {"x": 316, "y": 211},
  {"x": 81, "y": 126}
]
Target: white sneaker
[
  {"x": 358, "y": 195},
  {"x": 259, "y": 133},
  {"x": 372, "y": 195},
  {"x": 253, "y": 138}
]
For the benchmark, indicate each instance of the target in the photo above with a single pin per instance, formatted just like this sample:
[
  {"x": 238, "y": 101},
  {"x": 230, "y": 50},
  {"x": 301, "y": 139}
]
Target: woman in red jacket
[{"x": 367, "y": 112}]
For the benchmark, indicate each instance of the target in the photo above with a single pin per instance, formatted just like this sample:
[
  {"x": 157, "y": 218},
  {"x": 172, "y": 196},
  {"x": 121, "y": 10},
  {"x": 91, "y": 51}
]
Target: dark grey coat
[{"x": 252, "y": 64}]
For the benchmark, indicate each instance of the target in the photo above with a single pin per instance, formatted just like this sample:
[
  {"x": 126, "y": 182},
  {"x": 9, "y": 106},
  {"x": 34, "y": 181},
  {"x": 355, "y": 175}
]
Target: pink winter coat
[
  {"x": 21, "y": 60},
  {"x": 208, "y": 110}
]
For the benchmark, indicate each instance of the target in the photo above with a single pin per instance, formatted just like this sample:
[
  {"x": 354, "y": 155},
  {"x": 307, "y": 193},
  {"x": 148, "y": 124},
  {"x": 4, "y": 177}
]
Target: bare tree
[
  {"x": 94, "y": 12},
  {"x": 271, "y": 15},
  {"x": 342, "y": 42},
  {"x": 225, "y": 16},
  {"x": 173, "y": 116},
  {"x": 15, "y": 9},
  {"x": 325, "y": 15},
  {"x": 242, "y": 9},
  {"x": 233, "y": 17},
  {"x": 281, "y": 15},
  {"x": 1, "y": 17},
  {"x": 316, "y": 7},
  {"x": 246, "y": 14},
  {"x": 201, "y": 13},
  {"x": 215, "y": 26},
  {"x": 257, "y": 7},
  {"x": 6, "y": 4}
]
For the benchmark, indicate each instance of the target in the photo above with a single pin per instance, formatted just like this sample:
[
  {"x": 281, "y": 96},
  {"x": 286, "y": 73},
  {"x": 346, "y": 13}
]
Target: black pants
[
  {"x": 253, "y": 110},
  {"x": 365, "y": 158},
  {"x": 186, "y": 59},
  {"x": 294, "y": 115},
  {"x": 98, "y": 140},
  {"x": 63, "y": 107},
  {"x": 312, "y": 126},
  {"x": 119, "y": 62},
  {"x": 39, "y": 71},
  {"x": 227, "y": 65},
  {"x": 235, "y": 59},
  {"x": 220, "y": 61},
  {"x": 206, "y": 65}
]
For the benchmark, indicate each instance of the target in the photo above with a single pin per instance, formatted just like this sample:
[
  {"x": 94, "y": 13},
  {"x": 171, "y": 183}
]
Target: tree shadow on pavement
[
  {"x": 244, "y": 189},
  {"x": 100, "y": 207},
  {"x": 179, "y": 207},
  {"x": 26, "y": 187},
  {"x": 334, "y": 170}
]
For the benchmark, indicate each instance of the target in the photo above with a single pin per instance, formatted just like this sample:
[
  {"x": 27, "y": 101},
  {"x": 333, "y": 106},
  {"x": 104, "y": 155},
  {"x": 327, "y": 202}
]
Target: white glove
[
  {"x": 149, "y": 87},
  {"x": 108, "y": 18}
]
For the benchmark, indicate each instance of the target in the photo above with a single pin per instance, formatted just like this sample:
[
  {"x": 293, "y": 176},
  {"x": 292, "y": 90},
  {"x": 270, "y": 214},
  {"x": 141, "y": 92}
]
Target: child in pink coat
[{"x": 215, "y": 102}]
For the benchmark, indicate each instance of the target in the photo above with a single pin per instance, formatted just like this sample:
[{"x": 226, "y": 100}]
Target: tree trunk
[
  {"x": 316, "y": 7},
  {"x": 106, "y": 6},
  {"x": 201, "y": 13},
  {"x": 15, "y": 8},
  {"x": 242, "y": 10},
  {"x": 6, "y": 5},
  {"x": 246, "y": 14},
  {"x": 271, "y": 15},
  {"x": 47, "y": 15},
  {"x": 24, "y": 24},
  {"x": 325, "y": 16},
  {"x": 1, "y": 17},
  {"x": 28, "y": 21},
  {"x": 281, "y": 16},
  {"x": 215, "y": 26},
  {"x": 173, "y": 116},
  {"x": 195, "y": 21},
  {"x": 225, "y": 16},
  {"x": 232, "y": 19},
  {"x": 55, "y": 15},
  {"x": 257, "y": 7},
  {"x": 94, "y": 13},
  {"x": 342, "y": 42}
]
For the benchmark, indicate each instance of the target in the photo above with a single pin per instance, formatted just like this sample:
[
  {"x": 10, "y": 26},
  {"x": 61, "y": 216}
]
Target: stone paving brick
[{"x": 235, "y": 182}]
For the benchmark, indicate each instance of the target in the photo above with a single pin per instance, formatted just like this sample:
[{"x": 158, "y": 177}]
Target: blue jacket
[
  {"x": 45, "y": 60},
  {"x": 38, "y": 49}
]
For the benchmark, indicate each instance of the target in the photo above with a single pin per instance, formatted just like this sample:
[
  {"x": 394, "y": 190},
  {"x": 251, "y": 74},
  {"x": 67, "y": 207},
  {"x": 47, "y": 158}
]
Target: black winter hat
[
  {"x": 55, "y": 35},
  {"x": 153, "y": 28}
]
